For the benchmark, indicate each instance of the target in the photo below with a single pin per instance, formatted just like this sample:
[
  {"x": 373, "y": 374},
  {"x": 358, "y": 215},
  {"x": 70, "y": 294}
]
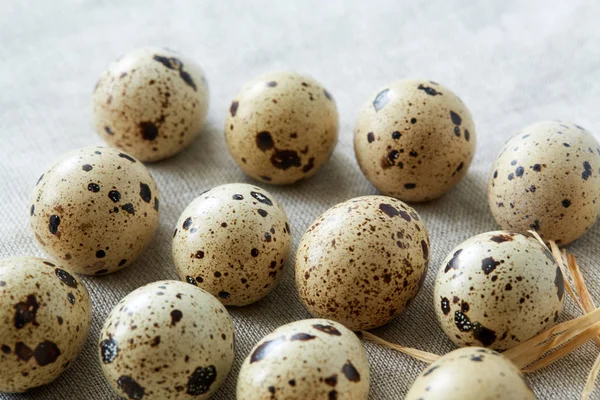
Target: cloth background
[{"x": 512, "y": 62}]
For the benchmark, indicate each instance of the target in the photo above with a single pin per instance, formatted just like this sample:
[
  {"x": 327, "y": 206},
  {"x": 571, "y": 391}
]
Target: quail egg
[
  {"x": 95, "y": 210},
  {"x": 414, "y": 140},
  {"x": 45, "y": 316},
  {"x": 472, "y": 373},
  {"x": 309, "y": 359},
  {"x": 167, "y": 340},
  {"x": 281, "y": 127},
  {"x": 498, "y": 289},
  {"x": 547, "y": 178},
  {"x": 151, "y": 102},
  {"x": 362, "y": 261},
  {"x": 233, "y": 241}
]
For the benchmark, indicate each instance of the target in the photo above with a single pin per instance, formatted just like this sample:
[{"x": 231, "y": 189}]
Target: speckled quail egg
[
  {"x": 362, "y": 261},
  {"x": 233, "y": 241},
  {"x": 45, "y": 316},
  {"x": 281, "y": 127},
  {"x": 547, "y": 178},
  {"x": 151, "y": 102},
  {"x": 167, "y": 340},
  {"x": 309, "y": 359},
  {"x": 498, "y": 289},
  {"x": 95, "y": 210},
  {"x": 471, "y": 373},
  {"x": 414, "y": 140}
]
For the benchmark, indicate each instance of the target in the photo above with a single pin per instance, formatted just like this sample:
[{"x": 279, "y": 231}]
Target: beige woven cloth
[{"x": 512, "y": 62}]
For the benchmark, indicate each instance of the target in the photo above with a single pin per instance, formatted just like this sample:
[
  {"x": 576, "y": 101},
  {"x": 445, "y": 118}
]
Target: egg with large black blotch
[
  {"x": 45, "y": 317},
  {"x": 414, "y": 139},
  {"x": 307, "y": 359},
  {"x": 167, "y": 340},
  {"x": 472, "y": 373},
  {"x": 95, "y": 210},
  {"x": 233, "y": 241},
  {"x": 281, "y": 127},
  {"x": 498, "y": 289},
  {"x": 151, "y": 102},
  {"x": 547, "y": 179}
]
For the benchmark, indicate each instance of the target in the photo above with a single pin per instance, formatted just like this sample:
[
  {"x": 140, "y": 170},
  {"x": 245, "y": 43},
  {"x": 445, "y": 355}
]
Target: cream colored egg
[
  {"x": 151, "y": 102},
  {"x": 308, "y": 359},
  {"x": 414, "y": 140},
  {"x": 281, "y": 127},
  {"x": 233, "y": 241},
  {"x": 95, "y": 210},
  {"x": 472, "y": 373},
  {"x": 547, "y": 179},
  {"x": 498, "y": 289},
  {"x": 45, "y": 316},
  {"x": 362, "y": 261},
  {"x": 167, "y": 340}
]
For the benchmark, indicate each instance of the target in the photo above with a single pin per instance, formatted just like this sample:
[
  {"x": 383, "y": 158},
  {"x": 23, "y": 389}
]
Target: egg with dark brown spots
[
  {"x": 167, "y": 340},
  {"x": 281, "y": 127},
  {"x": 414, "y": 140},
  {"x": 362, "y": 261},
  {"x": 472, "y": 373},
  {"x": 498, "y": 289},
  {"x": 307, "y": 359},
  {"x": 95, "y": 210},
  {"x": 547, "y": 179},
  {"x": 45, "y": 316},
  {"x": 233, "y": 241},
  {"x": 151, "y": 102}
]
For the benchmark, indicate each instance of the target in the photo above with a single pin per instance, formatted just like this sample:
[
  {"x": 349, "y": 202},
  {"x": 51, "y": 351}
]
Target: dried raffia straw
[
  {"x": 414, "y": 353},
  {"x": 588, "y": 306},
  {"x": 551, "y": 345}
]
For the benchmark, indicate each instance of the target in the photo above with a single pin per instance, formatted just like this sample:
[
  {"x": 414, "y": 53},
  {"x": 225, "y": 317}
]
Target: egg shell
[
  {"x": 414, "y": 140},
  {"x": 471, "y": 373},
  {"x": 547, "y": 179},
  {"x": 281, "y": 127},
  {"x": 498, "y": 289},
  {"x": 233, "y": 241},
  {"x": 45, "y": 316},
  {"x": 95, "y": 210},
  {"x": 151, "y": 102},
  {"x": 167, "y": 340},
  {"x": 362, "y": 261},
  {"x": 307, "y": 359}
]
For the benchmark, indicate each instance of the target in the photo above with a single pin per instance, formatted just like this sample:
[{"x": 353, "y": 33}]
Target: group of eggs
[{"x": 357, "y": 266}]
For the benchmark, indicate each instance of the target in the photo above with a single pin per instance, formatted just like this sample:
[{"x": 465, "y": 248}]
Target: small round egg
[
  {"x": 308, "y": 359},
  {"x": 471, "y": 373},
  {"x": 45, "y": 316},
  {"x": 414, "y": 140},
  {"x": 151, "y": 102},
  {"x": 281, "y": 127},
  {"x": 167, "y": 340},
  {"x": 233, "y": 241},
  {"x": 362, "y": 261},
  {"x": 547, "y": 179},
  {"x": 95, "y": 210},
  {"x": 498, "y": 289}
]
